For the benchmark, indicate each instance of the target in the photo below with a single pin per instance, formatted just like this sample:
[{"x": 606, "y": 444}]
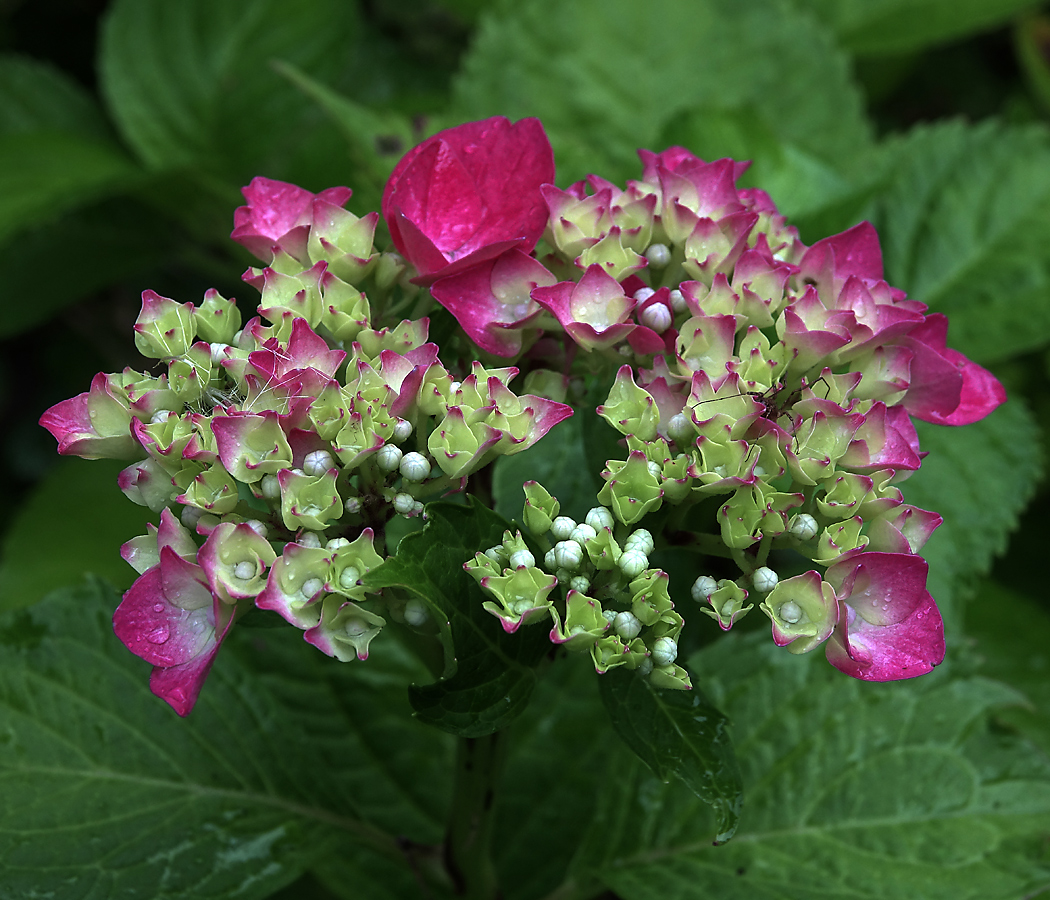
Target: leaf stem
[{"x": 468, "y": 854}]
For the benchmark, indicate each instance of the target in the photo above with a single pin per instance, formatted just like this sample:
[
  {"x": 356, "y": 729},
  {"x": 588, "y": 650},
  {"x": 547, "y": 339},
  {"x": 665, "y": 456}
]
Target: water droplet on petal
[
  {"x": 158, "y": 635},
  {"x": 158, "y": 607}
]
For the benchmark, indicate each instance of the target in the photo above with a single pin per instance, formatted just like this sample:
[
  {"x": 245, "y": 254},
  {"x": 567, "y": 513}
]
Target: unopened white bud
[
  {"x": 680, "y": 429},
  {"x": 550, "y": 561},
  {"x": 627, "y": 625},
  {"x": 640, "y": 539},
  {"x": 388, "y": 457},
  {"x": 404, "y": 504},
  {"x": 643, "y": 294},
  {"x": 258, "y": 527},
  {"x": 568, "y": 555},
  {"x": 764, "y": 579},
  {"x": 417, "y": 508},
  {"x": 678, "y": 303},
  {"x": 633, "y": 562},
  {"x": 583, "y": 533},
  {"x": 337, "y": 544},
  {"x": 609, "y": 615},
  {"x": 415, "y": 467},
  {"x": 353, "y": 505},
  {"x": 348, "y": 578},
  {"x": 190, "y": 516},
  {"x": 521, "y": 558},
  {"x": 657, "y": 317},
  {"x": 244, "y": 570},
  {"x": 599, "y": 517},
  {"x": 308, "y": 539},
  {"x": 703, "y": 588},
  {"x": 803, "y": 526},
  {"x": 580, "y": 583},
  {"x": 317, "y": 462},
  {"x": 645, "y": 666},
  {"x": 665, "y": 651},
  {"x": 270, "y": 487},
  {"x": 402, "y": 430},
  {"x": 416, "y": 613},
  {"x": 455, "y": 386},
  {"x": 161, "y": 415},
  {"x": 790, "y": 612},
  {"x": 655, "y": 469},
  {"x": 659, "y": 255},
  {"x": 311, "y": 587},
  {"x": 562, "y": 527},
  {"x": 564, "y": 576},
  {"x": 217, "y": 352}
]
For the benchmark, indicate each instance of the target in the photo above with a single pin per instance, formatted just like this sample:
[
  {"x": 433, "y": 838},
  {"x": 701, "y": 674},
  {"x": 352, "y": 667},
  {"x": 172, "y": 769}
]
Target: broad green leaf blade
[
  {"x": 854, "y": 790},
  {"x": 191, "y": 83},
  {"x": 979, "y": 478},
  {"x": 44, "y": 174},
  {"x": 73, "y": 523},
  {"x": 489, "y": 674},
  {"x": 678, "y": 733},
  {"x": 35, "y": 96},
  {"x": 606, "y": 78},
  {"x": 965, "y": 228},
  {"x": 105, "y": 792},
  {"x": 880, "y": 27}
]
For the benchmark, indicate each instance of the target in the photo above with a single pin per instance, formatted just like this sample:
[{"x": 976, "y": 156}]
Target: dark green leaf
[
  {"x": 965, "y": 228},
  {"x": 288, "y": 756},
  {"x": 73, "y": 523},
  {"x": 854, "y": 790},
  {"x": 979, "y": 478},
  {"x": 606, "y": 78},
  {"x": 489, "y": 674},
  {"x": 876, "y": 27},
  {"x": 35, "y": 96},
  {"x": 680, "y": 734}
]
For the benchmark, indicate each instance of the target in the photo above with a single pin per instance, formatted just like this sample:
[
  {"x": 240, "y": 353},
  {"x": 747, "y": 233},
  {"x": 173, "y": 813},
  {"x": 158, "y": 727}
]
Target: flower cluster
[{"x": 764, "y": 391}]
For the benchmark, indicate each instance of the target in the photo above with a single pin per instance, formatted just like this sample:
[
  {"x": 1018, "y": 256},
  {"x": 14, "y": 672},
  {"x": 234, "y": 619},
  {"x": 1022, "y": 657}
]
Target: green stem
[{"x": 468, "y": 842}]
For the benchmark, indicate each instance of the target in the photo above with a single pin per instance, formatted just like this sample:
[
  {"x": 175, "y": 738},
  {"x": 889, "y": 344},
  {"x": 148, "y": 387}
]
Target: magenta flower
[
  {"x": 279, "y": 216},
  {"x": 889, "y": 627},
  {"x": 469, "y": 193}
]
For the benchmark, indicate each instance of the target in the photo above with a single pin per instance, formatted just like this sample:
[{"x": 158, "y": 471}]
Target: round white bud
[
  {"x": 655, "y": 469},
  {"x": 416, "y": 613},
  {"x": 657, "y": 317},
  {"x": 580, "y": 583},
  {"x": 665, "y": 651},
  {"x": 609, "y": 615},
  {"x": 550, "y": 561},
  {"x": 640, "y": 539},
  {"x": 417, "y": 508},
  {"x": 308, "y": 539},
  {"x": 317, "y": 462},
  {"x": 790, "y": 612},
  {"x": 803, "y": 526},
  {"x": 217, "y": 352},
  {"x": 388, "y": 457},
  {"x": 627, "y": 625},
  {"x": 415, "y": 467},
  {"x": 353, "y": 505},
  {"x": 190, "y": 516},
  {"x": 258, "y": 527},
  {"x": 659, "y": 255},
  {"x": 311, "y": 587},
  {"x": 764, "y": 579},
  {"x": 349, "y": 577},
  {"x": 680, "y": 429},
  {"x": 568, "y": 555},
  {"x": 337, "y": 544},
  {"x": 402, "y": 431},
  {"x": 455, "y": 386},
  {"x": 404, "y": 504},
  {"x": 632, "y": 563},
  {"x": 270, "y": 487},
  {"x": 678, "y": 303},
  {"x": 583, "y": 533},
  {"x": 645, "y": 666},
  {"x": 599, "y": 517},
  {"x": 643, "y": 294},
  {"x": 244, "y": 570},
  {"x": 564, "y": 576},
  {"x": 521, "y": 558},
  {"x": 562, "y": 527},
  {"x": 703, "y": 588},
  {"x": 161, "y": 415}
]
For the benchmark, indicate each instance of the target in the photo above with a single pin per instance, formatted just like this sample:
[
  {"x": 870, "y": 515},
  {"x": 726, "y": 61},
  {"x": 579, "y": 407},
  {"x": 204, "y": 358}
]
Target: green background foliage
[{"x": 126, "y": 130}]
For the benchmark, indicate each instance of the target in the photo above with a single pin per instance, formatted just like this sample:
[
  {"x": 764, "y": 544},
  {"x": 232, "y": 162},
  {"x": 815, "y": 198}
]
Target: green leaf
[
  {"x": 73, "y": 523},
  {"x": 489, "y": 674},
  {"x": 191, "y": 83},
  {"x": 854, "y": 790},
  {"x": 35, "y": 96},
  {"x": 43, "y": 174},
  {"x": 965, "y": 228},
  {"x": 678, "y": 733},
  {"x": 607, "y": 77},
  {"x": 979, "y": 478},
  {"x": 879, "y": 27},
  {"x": 288, "y": 756}
]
